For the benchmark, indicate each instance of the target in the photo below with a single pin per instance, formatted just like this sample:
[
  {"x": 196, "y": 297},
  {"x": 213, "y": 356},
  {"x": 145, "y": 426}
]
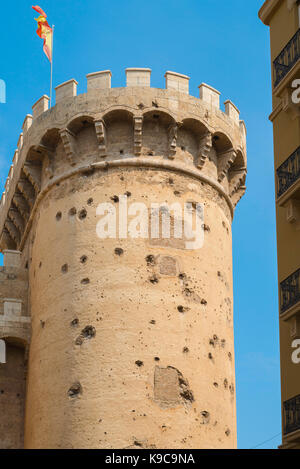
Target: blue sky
[{"x": 220, "y": 43}]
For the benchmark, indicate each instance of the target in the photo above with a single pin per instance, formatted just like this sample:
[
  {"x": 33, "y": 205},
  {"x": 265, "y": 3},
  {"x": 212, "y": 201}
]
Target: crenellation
[
  {"x": 20, "y": 142},
  {"x": 41, "y": 106},
  {"x": 243, "y": 133},
  {"x": 99, "y": 80},
  {"x": 138, "y": 77},
  {"x": 178, "y": 82},
  {"x": 210, "y": 95},
  {"x": 27, "y": 123},
  {"x": 11, "y": 172},
  {"x": 15, "y": 158},
  {"x": 68, "y": 89},
  {"x": 157, "y": 100},
  {"x": 7, "y": 183},
  {"x": 232, "y": 111}
]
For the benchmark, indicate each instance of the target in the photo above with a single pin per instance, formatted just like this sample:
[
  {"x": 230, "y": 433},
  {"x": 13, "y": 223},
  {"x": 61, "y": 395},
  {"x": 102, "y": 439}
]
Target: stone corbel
[
  {"x": 22, "y": 205},
  {"x": 6, "y": 241},
  {"x": 237, "y": 179},
  {"x": 17, "y": 219},
  {"x": 69, "y": 143},
  {"x": 225, "y": 160},
  {"x": 173, "y": 133},
  {"x": 33, "y": 173},
  {"x": 101, "y": 137},
  {"x": 48, "y": 159},
  {"x": 27, "y": 190},
  {"x": 138, "y": 135},
  {"x": 49, "y": 170},
  {"x": 205, "y": 146},
  {"x": 238, "y": 195},
  {"x": 13, "y": 230}
]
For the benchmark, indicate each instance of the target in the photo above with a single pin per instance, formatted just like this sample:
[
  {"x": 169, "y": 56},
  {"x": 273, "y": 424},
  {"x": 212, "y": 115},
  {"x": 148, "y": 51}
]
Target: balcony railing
[
  {"x": 288, "y": 173},
  {"x": 291, "y": 415},
  {"x": 290, "y": 292},
  {"x": 286, "y": 59}
]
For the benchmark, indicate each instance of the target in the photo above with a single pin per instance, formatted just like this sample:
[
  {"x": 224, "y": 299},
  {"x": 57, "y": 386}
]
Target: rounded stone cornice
[{"x": 125, "y": 163}]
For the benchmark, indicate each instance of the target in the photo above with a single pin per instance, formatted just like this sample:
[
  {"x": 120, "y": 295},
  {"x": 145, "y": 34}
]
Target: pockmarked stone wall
[{"x": 131, "y": 329}]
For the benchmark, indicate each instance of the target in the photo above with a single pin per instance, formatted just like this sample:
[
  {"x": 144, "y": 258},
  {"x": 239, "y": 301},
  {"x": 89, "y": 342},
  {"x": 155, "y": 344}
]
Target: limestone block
[
  {"x": 20, "y": 142},
  {"x": 232, "y": 111},
  {"x": 209, "y": 95},
  {"x": 68, "y": 89},
  {"x": 12, "y": 258},
  {"x": 40, "y": 106},
  {"x": 11, "y": 172},
  {"x": 16, "y": 157},
  {"x": 138, "y": 76},
  {"x": 27, "y": 123},
  {"x": 12, "y": 308},
  {"x": 178, "y": 82},
  {"x": 99, "y": 80}
]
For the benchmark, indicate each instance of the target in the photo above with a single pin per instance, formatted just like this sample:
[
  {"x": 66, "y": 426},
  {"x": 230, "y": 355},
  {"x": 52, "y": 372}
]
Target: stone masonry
[{"x": 121, "y": 342}]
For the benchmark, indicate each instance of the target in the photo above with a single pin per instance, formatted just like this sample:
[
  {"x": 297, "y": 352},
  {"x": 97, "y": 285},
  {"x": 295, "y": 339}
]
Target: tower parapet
[{"x": 215, "y": 131}]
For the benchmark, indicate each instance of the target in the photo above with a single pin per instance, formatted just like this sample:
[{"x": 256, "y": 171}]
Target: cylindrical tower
[{"x": 132, "y": 334}]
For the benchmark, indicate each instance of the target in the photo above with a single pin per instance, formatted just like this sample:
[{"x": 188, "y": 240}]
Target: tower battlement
[{"x": 198, "y": 137}]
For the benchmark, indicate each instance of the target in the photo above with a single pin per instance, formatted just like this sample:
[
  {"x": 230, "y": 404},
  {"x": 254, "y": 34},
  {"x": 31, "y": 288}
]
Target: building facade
[
  {"x": 283, "y": 18},
  {"x": 121, "y": 340}
]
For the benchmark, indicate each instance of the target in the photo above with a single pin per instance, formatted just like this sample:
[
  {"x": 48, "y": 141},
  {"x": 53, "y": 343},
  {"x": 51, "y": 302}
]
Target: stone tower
[{"x": 124, "y": 342}]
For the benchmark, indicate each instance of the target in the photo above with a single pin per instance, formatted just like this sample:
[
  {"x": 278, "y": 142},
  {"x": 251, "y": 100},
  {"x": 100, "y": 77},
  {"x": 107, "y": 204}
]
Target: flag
[{"x": 44, "y": 31}]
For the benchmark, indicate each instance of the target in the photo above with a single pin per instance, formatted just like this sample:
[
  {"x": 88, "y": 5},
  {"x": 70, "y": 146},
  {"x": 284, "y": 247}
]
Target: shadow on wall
[{"x": 12, "y": 392}]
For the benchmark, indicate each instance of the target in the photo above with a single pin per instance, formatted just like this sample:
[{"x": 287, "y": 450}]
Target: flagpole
[{"x": 51, "y": 73}]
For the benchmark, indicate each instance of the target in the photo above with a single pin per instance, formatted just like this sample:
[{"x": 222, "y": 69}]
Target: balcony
[
  {"x": 288, "y": 173},
  {"x": 290, "y": 295},
  {"x": 291, "y": 415},
  {"x": 286, "y": 59}
]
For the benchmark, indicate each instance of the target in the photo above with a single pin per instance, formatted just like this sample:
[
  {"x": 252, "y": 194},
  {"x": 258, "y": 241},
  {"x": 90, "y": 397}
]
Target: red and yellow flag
[{"x": 44, "y": 31}]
